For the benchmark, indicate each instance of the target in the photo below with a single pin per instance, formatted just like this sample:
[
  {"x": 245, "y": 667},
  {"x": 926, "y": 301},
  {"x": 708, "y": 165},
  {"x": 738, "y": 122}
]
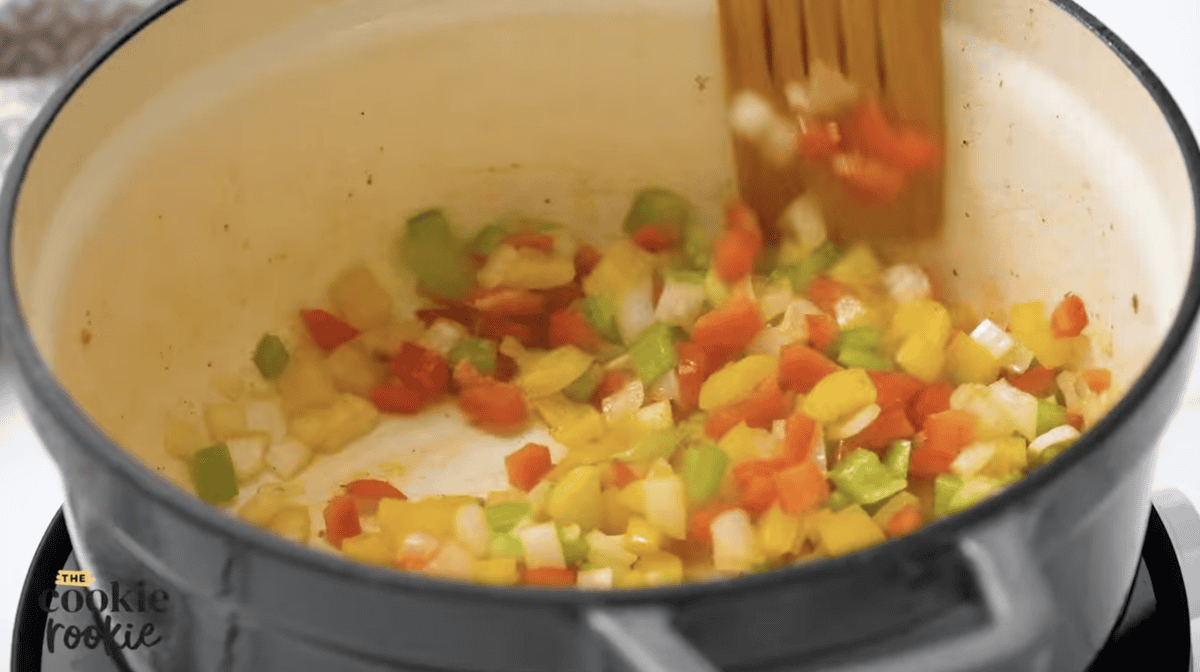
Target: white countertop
[{"x": 1161, "y": 31}]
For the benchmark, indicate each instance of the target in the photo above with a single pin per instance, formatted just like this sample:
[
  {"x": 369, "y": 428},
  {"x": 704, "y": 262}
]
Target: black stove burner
[{"x": 1155, "y": 622}]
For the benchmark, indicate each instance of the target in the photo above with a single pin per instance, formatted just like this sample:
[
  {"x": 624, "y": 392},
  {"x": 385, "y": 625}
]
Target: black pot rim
[{"x": 76, "y": 422}]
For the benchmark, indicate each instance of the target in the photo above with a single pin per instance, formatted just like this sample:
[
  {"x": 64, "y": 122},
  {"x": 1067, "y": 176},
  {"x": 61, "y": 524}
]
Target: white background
[{"x": 1163, "y": 32}]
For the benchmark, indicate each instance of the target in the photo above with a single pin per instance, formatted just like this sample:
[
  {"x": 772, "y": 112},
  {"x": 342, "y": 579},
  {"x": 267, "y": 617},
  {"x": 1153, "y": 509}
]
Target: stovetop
[{"x": 1156, "y": 621}]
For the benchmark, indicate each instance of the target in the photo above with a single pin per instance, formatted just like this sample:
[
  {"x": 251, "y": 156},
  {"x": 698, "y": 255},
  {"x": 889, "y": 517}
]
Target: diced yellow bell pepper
[
  {"x": 532, "y": 269},
  {"x": 553, "y": 371},
  {"x": 641, "y": 537},
  {"x": 576, "y": 499},
  {"x": 777, "y": 532},
  {"x": 660, "y": 568},
  {"x": 921, "y": 315},
  {"x": 374, "y": 548},
  {"x": 624, "y": 266},
  {"x": 633, "y": 496},
  {"x": 629, "y": 578},
  {"x": 305, "y": 385},
  {"x": 571, "y": 424},
  {"x": 736, "y": 381},
  {"x": 848, "y": 530},
  {"x": 921, "y": 357},
  {"x": 435, "y": 515},
  {"x": 858, "y": 268},
  {"x": 1010, "y": 456},
  {"x": 963, "y": 317},
  {"x": 1028, "y": 324},
  {"x": 969, "y": 362},
  {"x": 744, "y": 443},
  {"x": 361, "y": 299},
  {"x": 616, "y": 514},
  {"x": 496, "y": 571},
  {"x": 839, "y": 394}
]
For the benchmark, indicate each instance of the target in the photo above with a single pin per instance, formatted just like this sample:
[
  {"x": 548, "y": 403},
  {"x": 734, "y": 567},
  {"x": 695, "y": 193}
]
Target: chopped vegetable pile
[{"x": 724, "y": 409}]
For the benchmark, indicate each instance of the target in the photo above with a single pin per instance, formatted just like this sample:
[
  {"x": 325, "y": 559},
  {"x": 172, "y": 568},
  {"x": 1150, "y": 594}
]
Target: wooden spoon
[{"x": 891, "y": 49}]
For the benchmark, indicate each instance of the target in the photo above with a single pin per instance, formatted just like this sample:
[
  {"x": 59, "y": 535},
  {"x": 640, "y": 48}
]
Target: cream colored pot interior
[{"x": 196, "y": 192}]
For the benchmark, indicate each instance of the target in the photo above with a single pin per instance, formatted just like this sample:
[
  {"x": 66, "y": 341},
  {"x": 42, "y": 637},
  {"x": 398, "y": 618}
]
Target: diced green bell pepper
[
  {"x": 502, "y": 518},
  {"x": 660, "y": 443},
  {"x": 862, "y": 359},
  {"x": 270, "y": 356},
  {"x": 481, "y": 352},
  {"x": 584, "y": 387},
  {"x": 862, "y": 476},
  {"x": 656, "y": 205},
  {"x": 816, "y": 263},
  {"x": 1049, "y": 416},
  {"x": 715, "y": 288},
  {"x": 488, "y": 239},
  {"x": 697, "y": 245},
  {"x": 213, "y": 474},
  {"x": 839, "y": 500},
  {"x": 601, "y": 313},
  {"x": 436, "y": 256},
  {"x": 945, "y": 487},
  {"x": 574, "y": 544},
  {"x": 868, "y": 339},
  {"x": 653, "y": 352},
  {"x": 703, "y": 470},
  {"x": 684, "y": 275},
  {"x": 898, "y": 455},
  {"x": 953, "y": 494},
  {"x": 507, "y": 546}
]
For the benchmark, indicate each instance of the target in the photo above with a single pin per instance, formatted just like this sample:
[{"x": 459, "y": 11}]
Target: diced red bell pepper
[
  {"x": 610, "y": 384},
  {"x": 759, "y": 494},
  {"x": 822, "y": 331},
  {"x": 903, "y": 149},
  {"x": 700, "y": 521},
  {"x": 731, "y": 326},
  {"x": 870, "y": 181},
  {"x": 765, "y": 406},
  {"x": 1098, "y": 380},
  {"x": 691, "y": 370},
  {"x": 904, "y": 521},
  {"x": 536, "y": 241},
  {"x": 802, "y": 488},
  {"x": 1075, "y": 420},
  {"x": 560, "y": 297},
  {"x": 527, "y": 466},
  {"x": 553, "y": 577},
  {"x": 798, "y": 436},
  {"x": 421, "y": 369},
  {"x": 741, "y": 217},
  {"x": 933, "y": 399},
  {"x": 656, "y": 237},
  {"x": 341, "y": 520},
  {"x": 568, "y": 327},
  {"x": 733, "y": 256},
  {"x": 1069, "y": 318},
  {"x": 946, "y": 434},
  {"x": 508, "y": 302},
  {"x": 497, "y": 406},
  {"x": 402, "y": 399},
  {"x": 749, "y": 470},
  {"x": 889, "y": 426},
  {"x": 825, "y": 292},
  {"x": 622, "y": 474},
  {"x": 894, "y": 389},
  {"x": 819, "y": 141},
  {"x": 1038, "y": 381},
  {"x": 370, "y": 488},
  {"x": 586, "y": 259},
  {"x": 506, "y": 368},
  {"x": 496, "y": 327},
  {"x": 327, "y": 330},
  {"x": 801, "y": 367}
]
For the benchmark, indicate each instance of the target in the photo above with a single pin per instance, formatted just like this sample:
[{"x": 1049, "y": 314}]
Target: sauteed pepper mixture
[{"x": 725, "y": 408}]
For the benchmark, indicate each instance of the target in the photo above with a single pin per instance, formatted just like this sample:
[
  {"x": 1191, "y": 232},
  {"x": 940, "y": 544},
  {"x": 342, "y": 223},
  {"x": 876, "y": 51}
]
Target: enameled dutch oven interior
[{"x": 193, "y": 193}]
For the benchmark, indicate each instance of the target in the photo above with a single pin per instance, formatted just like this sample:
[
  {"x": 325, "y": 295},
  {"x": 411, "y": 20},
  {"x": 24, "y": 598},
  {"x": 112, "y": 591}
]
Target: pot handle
[{"x": 1015, "y": 595}]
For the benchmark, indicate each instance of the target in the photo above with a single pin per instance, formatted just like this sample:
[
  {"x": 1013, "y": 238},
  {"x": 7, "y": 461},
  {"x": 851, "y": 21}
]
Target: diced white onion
[
  {"x": 496, "y": 268},
  {"x": 635, "y": 312},
  {"x": 1053, "y": 437},
  {"x": 266, "y": 416},
  {"x": 1095, "y": 406},
  {"x": 774, "y": 299},
  {"x": 442, "y": 336},
  {"x": 681, "y": 303},
  {"x": 287, "y": 458},
  {"x": 1021, "y": 407},
  {"x": 419, "y": 545},
  {"x": 907, "y": 282},
  {"x": 818, "y": 449},
  {"x": 797, "y": 97},
  {"x": 624, "y": 401},
  {"x": 1068, "y": 384},
  {"x": 750, "y": 115},
  {"x": 995, "y": 340},
  {"x": 770, "y": 341},
  {"x": 848, "y": 309},
  {"x": 667, "y": 387},
  {"x": 656, "y": 416},
  {"x": 803, "y": 216},
  {"x": 973, "y": 458},
  {"x": 471, "y": 529},
  {"x": 666, "y": 505},
  {"x": 734, "y": 544},
  {"x": 595, "y": 579},
  {"x": 609, "y": 550},
  {"x": 991, "y": 421},
  {"x": 542, "y": 547},
  {"x": 451, "y": 562},
  {"x": 855, "y": 423},
  {"x": 779, "y": 430},
  {"x": 247, "y": 453},
  {"x": 565, "y": 243}
]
